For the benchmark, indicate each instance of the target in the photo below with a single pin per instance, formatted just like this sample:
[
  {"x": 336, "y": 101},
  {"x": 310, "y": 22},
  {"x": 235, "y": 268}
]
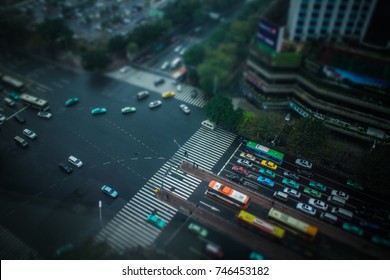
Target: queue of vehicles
[{"x": 330, "y": 205}]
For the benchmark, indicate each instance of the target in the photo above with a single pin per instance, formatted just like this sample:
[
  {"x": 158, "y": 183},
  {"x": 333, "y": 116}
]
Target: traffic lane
[
  {"x": 232, "y": 230},
  {"x": 188, "y": 245},
  {"x": 228, "y": 213},
  {"x": 339, "y": 234},
  {"x": 292, "y": 202}
]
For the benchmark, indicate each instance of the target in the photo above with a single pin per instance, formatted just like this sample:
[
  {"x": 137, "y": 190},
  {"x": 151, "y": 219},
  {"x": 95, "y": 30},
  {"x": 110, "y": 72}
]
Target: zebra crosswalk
[
  {"x": 129, "y": 228},
  {"x": 146, "y": 80},
  {"x": 12, "y": 248}
]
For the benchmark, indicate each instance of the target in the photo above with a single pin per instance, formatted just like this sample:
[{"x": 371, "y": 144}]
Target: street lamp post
[{"x": 100, "y": 213}]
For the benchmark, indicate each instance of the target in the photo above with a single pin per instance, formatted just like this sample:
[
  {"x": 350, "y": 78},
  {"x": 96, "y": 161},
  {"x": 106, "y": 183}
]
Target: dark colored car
[
  {"x": 19, "y": 119},
  {"x": 159, "y": 82},
  {"x": 65, "y": 167},
  {"x": 305, "y": 173},
  {"x": 235, "y": 178}
]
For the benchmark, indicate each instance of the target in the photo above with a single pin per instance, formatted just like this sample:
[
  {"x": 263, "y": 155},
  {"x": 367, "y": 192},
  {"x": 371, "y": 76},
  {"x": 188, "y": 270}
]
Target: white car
[
  {"x": 126, "y": 110},
  {"x": 292, "y": 192},
  {"x": 340, "y": 194},
  {"x": 183, "y": 51},
  {"x": 245, "y": 162},
  {"x": 165, "y": 65},
  {"x": 124, "y": 69},
  {"x": 177, "y": 49},
  {"x": 29, "y": 133},
  {"x": 45, "y": 115},
  {"x": 318, "y": 204},
  {"x": 155, "y": 104},
  {"x": 306, "y": 208},
  {"x": 303, "y": 163},
  {"x": 178, "y": 87},
  {"x": 75, "y": 161},
  {"x": 185, "y": 109},
  {"x": 2, "y": 118}
]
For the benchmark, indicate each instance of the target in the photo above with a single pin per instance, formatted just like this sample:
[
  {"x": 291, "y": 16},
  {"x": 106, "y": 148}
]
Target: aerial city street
[{"x": 251, "y": 130}]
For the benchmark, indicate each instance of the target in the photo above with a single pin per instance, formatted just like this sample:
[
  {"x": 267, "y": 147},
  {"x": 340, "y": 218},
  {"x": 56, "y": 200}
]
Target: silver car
[
  {"x": 306, "y": 208},
  {"x": 185, "y": 109},
  {"x": 303, "y": 163},
  {"x": 292, "y": 192},
  {"x": 155, "y": 104},
  {"x": 29, "y": 133},
  {"x": 318, "y": 204}
]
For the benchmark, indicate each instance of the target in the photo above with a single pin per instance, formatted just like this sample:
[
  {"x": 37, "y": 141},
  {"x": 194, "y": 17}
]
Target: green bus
[{"x": 264, "y": 152}]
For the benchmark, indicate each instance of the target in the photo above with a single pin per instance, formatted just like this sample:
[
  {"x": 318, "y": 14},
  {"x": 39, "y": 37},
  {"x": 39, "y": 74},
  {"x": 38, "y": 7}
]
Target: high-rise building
[{"x": 311, "y": 57}]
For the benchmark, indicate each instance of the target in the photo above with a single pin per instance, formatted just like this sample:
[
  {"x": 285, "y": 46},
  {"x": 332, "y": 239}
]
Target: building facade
[{"x": 342, "y": 84}]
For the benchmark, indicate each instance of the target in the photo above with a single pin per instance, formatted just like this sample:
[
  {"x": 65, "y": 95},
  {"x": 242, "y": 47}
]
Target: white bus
[
  {"x": 12, "y": 83},
  {"x": 35, "y": 102}
]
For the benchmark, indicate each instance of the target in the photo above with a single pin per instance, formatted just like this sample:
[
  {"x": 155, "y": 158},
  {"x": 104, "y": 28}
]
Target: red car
[{"x": 240, "y": 170}]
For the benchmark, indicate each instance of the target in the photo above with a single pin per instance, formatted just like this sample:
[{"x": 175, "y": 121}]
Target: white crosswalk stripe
[
  {"x": 129, "y": 228},
  {"x": 146, "y": 80},
  {"x": 13, "y": 248}
]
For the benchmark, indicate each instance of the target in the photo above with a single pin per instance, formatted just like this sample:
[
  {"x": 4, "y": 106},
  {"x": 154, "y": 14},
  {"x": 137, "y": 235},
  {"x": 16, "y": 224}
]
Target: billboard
[
  {"x": 268, "y": 33},
  {"x": 356, "y": 81}
]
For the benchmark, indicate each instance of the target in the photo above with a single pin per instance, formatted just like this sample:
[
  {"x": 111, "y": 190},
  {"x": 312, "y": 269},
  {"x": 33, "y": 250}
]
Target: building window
[
  {"x": 329, "y": 7},
  {"x": 297, "y": 38}
]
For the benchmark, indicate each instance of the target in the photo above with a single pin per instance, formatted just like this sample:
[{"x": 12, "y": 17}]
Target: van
[
  {"x": 333, "y": 199},
  {"x": 208, "y": 124},
  {"x": 20, "y": 141},
  {"x": 281, "y": 195},
  {"x": 9, "y": 102},
  {"x": 328, "y": 217},
  {"x": 342, "y": 213}
]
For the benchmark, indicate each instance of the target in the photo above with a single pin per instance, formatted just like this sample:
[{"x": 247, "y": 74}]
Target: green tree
[
  {"x": 373, "y": 170},
  {"x": 55, "y": 35},
  {"x": 183, "y": 12},
  {"x": 211, "y": 76},
  {"x": 262, "y": 127},
  {"x": 240, "y": 32},
  {"x": 132, "y": 48},
  {"x": 117, "y": 45},
  {"x": 308, "y": 137},
  {"x": 95, "y": 60},
  {"x": 220, "y": 110},
  {"x": 148, "y": 33},
  {"x": 194, "y": 55}
]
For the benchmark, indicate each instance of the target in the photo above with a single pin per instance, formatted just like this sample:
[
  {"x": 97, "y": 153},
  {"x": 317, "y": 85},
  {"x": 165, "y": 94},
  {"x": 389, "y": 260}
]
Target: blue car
[
  {"x": 265, "y": 181},
  {"x": 96, "y": 111},
  {"x": 71, "y": 101},
  {"x": 110, "y": 191}
]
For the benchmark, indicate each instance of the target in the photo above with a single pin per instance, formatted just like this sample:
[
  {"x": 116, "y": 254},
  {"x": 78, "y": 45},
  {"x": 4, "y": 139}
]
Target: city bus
[
  {"x": 228, "y": 194},
  {"x": 264, "y": 152},
  {"x": 247, "y": 219},
  {"x": 34, "y": 102},
  {"x": 12, "y": 83},
  {"x": 292, "y": 224}
]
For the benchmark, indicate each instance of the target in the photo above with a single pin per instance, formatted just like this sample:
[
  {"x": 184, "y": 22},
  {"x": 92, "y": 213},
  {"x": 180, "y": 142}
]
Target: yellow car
[
  {"x": 168, "y": 94},
  {"x": 269, "y": 164}
]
